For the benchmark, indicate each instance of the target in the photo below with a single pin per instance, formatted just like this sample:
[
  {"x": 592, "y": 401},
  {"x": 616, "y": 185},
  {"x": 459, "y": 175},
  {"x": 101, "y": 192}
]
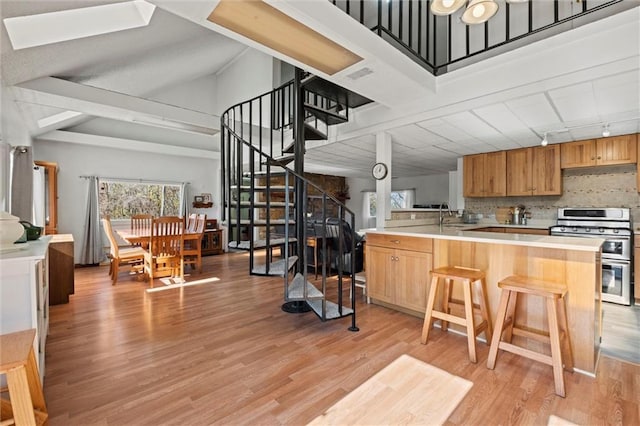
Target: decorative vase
[{"x": 10, "y": 229}]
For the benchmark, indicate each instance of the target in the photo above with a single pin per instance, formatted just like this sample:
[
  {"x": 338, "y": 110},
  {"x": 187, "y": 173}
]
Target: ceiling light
[
  {"x": 605, "y": 131},
  {"x": 479, "y": 11},
  {"x": 268, "y": 26},
  {"x": 446, "y": 7},
  {"x": 476, "y": 12},
  {"x": 544, "y": 140}
]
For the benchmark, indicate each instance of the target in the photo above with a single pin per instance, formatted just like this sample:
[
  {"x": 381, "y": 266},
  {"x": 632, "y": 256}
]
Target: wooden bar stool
[
  {"x": 467, "y": 276},
  {"x": 557, "y": 337},
  {"x": 18, "y": 364}
]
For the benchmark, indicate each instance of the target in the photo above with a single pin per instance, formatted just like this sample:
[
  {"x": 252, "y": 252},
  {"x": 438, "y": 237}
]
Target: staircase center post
[{"x": 298, "y": 164}]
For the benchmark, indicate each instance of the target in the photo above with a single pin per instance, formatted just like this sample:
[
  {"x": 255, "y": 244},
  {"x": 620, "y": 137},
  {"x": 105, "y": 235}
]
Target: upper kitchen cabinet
[
  {"x": 600, "y": 152},
  {"x": 485, "y": 175},
  {"x": 534, "y": 171}
]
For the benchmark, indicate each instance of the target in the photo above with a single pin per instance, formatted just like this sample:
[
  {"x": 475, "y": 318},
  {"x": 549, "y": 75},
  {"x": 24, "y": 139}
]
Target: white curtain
[
  {"x": 92, "y": 252},
  {"x": 22, "y": 183},
  {"x": 184, "y": 201}
]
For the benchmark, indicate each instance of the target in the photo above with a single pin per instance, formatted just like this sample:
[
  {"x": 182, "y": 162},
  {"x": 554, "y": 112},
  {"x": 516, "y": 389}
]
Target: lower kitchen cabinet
[
  {"x": 24, "y": 293},
  {"x": 398, "y": 270},
  {"x": 61, "y": 274},
  {"x": 636, "y": 268}
]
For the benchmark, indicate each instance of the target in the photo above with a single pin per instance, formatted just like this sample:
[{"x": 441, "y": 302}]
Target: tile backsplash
[{"x": 610, "y": 186}]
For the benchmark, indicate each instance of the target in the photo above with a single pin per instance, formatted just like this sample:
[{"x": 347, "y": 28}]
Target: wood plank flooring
[{"x": 225, "y": 353}]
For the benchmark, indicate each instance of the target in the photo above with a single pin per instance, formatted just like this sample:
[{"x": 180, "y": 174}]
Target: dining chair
[
  {"x": 132, "y": 256},
  {"x": 193, "y": 247},
  {"x": 141, "y": 223},
  {"x": 191, "y": 222},
  {"x": 166, "y": 244}
]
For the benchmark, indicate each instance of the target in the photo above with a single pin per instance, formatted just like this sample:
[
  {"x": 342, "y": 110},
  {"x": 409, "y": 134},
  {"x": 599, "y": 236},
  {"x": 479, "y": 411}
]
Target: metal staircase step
[
  {"x": 262, "y": 222},
  {"x": 281, "y": 161},
  {"x": 277, "y": 268},
  {"x": 262, "y": 188},
  {"x": 260, "y": 244},
  {"x": 313, "y": 134},
  {"x": 332, "y": 309},
  {"x": 329, "y": 117},
  {"x": 277, "y": 204},
  {"x": 331, "y": 90},
  {"x": 297, "y": 286}
]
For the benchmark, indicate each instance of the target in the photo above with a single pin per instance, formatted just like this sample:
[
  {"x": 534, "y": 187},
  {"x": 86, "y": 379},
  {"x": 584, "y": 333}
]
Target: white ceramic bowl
[{"x": 10, "y": 229}]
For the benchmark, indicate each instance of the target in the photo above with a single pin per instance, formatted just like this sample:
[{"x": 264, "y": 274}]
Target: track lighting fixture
[
  {"x": 544, "y": 140},
  {"x": 605, "y": 131}
]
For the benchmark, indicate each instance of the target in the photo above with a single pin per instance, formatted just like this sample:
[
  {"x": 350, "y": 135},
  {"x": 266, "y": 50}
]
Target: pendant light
[
  {"x": 446, "y": 7},
  {"x": 479, "y": 11}
]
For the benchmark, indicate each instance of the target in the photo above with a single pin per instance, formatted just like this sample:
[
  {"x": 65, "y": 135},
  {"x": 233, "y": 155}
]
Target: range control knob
[{"x": 601, "y": 230}]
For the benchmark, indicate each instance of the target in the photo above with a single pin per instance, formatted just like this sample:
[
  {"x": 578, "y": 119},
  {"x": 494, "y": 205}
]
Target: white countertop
[
  {"x": 459, "y": 233},
  {"x": 29, "y": 250}
]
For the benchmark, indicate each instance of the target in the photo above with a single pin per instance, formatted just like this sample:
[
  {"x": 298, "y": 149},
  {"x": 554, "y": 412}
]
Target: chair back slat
[
  {"x": 108, "y": 230},
  {"x": 141, "y": 222},
  {"x": 167, "y": 236}
]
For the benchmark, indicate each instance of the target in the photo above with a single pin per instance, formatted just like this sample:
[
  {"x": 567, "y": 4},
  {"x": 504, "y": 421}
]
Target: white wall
[
  {"x": 433, "y": 189},
  {"x": 81, "y": 160},
  {"x": 250, "y": 75}
]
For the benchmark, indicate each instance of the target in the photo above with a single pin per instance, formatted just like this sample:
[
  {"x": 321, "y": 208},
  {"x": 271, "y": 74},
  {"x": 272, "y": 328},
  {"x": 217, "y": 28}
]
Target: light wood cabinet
[
  {"x": 534, "y": 171},
  {"x": 600, "y": 152},
  {"x": 485, "y": 175},
  {"x": 636, "y": 268},
  {"x": 398, "y": 270}
]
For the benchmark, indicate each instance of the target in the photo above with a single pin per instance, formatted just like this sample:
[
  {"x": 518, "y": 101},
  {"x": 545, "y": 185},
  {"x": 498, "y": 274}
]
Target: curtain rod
[{"x": 120, "y": 179}]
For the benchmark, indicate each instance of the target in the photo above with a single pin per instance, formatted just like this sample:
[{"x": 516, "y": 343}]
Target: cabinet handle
[
  {"x": 599, "y": 158},
  {"x": 395, "y": 241},
  {"x": 593, "y": 158}
]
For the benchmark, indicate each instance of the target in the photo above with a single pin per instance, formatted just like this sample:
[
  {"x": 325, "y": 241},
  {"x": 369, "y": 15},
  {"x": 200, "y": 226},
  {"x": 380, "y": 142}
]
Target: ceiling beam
[
  {"x": 69, "y": 96},
  {"x": 127, "y": 144}
]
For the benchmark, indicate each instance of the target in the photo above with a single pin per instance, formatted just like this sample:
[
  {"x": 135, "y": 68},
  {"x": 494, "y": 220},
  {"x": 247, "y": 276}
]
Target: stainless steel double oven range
[{"x": 614, "y": 225}]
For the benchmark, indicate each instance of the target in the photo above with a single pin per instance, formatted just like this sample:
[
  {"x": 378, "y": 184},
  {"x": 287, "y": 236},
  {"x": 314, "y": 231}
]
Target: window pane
[
  {"x": 121, "y": 200},
  {"x": 372, "y": 204}
]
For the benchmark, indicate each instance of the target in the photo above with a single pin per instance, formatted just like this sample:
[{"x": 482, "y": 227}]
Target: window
[
  {"x": 121, "y": 200},
  {"x": 399, "y": 200}
]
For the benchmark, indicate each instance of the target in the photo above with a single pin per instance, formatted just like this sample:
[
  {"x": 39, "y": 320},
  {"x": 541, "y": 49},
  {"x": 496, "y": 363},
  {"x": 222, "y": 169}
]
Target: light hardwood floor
[{"x": 225, "y": 353}]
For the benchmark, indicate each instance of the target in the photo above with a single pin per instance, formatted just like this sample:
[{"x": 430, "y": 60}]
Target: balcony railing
[{"x": 443, "y": 43}]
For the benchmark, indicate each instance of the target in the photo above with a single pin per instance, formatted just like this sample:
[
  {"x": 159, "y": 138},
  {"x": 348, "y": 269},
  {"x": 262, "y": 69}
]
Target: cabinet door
[
  {"x": 412, "y": 279},
  {"x": 381, "y": 273},
  {"x": 547, "y": 175},
  {"x": 519, "y": 171},
  {"x": 578, "y": 154},
  {"x": 636, "y": 265},
  {"x": 616, "y": 150},
  {"x": 473, "y": 175},
  {"x": 495, "y": 174}
]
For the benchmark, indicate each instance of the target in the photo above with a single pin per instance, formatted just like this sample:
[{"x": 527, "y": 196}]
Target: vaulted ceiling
[{"x": 113, "y": 83}]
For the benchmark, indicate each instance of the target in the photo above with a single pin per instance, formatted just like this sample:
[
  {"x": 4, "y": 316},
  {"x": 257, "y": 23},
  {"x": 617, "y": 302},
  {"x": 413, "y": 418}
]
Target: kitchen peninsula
[{"x": 399, "y": 261}]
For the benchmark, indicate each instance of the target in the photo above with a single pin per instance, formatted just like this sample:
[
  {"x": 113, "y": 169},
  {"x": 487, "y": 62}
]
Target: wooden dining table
[{"x": 140, "y": 236}]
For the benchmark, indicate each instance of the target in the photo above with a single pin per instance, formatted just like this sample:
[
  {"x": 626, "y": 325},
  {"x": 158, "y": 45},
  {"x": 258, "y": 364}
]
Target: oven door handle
[{"x": 616, "y": 262}]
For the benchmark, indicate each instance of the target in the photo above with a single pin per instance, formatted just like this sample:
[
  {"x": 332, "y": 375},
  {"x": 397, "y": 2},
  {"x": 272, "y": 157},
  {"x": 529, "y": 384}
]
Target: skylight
[{"x": 54, "y": 27}]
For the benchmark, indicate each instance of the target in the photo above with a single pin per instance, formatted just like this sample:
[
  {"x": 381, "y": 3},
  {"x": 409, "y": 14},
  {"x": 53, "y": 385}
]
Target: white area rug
[
  {"x": 171, "y": 283},
  {"x": 407, "y": 391}
]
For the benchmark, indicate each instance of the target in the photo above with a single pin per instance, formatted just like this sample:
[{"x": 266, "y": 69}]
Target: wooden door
[
  {"x": 547, "y": 174},
  {"x": 519, "y": 172},
  {"x": 495, "y": 174},
  {"x": 616, "y": 150},
  {"x": 380, "y": 273},
  {"x": 473, "y": 175},
  {"x": 50, "y": 196},
  {"x": 578, "y": 154},
  {"x": 412, "y": 279}
]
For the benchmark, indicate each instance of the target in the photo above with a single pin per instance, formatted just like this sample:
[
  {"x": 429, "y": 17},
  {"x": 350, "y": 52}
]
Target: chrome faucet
[{"x": 441, "y": 213}]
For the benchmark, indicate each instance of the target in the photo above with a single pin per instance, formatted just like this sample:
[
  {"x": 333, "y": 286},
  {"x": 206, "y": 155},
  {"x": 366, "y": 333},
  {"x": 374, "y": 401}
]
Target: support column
[{"x": 383, "y": 186}]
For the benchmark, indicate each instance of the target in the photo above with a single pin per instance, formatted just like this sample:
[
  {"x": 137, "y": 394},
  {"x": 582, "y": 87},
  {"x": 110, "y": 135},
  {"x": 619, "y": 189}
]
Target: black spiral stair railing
[
  {"x": 442, "y": 43},
  {"x": 268, "y": 206}
]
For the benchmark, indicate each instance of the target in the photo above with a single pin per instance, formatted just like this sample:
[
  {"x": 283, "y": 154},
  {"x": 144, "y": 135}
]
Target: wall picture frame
[
  {"x": 206, "y": 197},
  {"x": 198, "y": 199}
]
